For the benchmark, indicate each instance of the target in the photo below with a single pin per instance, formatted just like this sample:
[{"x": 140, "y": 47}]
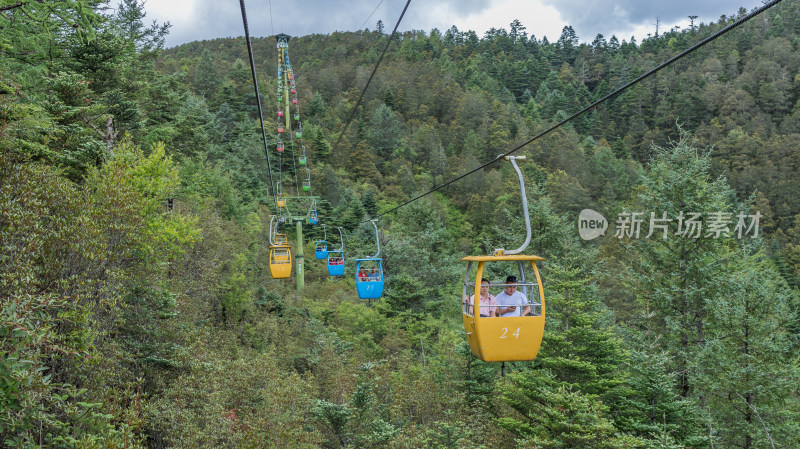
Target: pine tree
[
  {"x": 526, "y": 96},
  {"x": 652, "y": 409},
  {"x": 361, "y": 163},
  {"x": 556, "y": 416},
  {"x": 318, "y": 105},
  {"x": 674, "y": 275},
  {"x": 192, "y": 125},
  {"x": 370, "y": 206},
  {"x": 206, "y": 78},
  {"x": 579, "y": 346},
  {"x": 322, "y": 149},
  {"x": 225, "y": 122},
  {"x": 747, "y": 385},
  {"x": 388, "y": 98},
  {"x": 385, "y": 133}
]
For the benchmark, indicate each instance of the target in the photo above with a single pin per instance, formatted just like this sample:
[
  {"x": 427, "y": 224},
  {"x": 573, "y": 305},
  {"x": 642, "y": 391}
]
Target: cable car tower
[{"x": 296, "y": 204}]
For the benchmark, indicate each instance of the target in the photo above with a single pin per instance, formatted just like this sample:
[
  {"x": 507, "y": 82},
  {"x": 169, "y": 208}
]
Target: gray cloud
[
  {"x": 222, "y": 19},
  {"x": 216, "y": 19},
  {"x": 210, "y": 19},
  {"x": 615, "y": 16}
]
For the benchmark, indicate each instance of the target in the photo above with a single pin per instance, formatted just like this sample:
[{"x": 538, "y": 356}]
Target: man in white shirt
[{"x": 511, "y": 302}]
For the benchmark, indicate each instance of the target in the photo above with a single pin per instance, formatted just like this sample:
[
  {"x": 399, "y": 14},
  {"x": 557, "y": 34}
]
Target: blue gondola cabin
[
  {"x": 369, "y": 278},
  {"x": 321, "y": 249},
  {"x": 335, "y": 263}
]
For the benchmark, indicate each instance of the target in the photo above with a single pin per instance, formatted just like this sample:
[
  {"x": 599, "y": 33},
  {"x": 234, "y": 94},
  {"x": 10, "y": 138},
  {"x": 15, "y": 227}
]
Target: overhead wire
[
  {"x": 258, "y": 100},
  {"x": 370, "y": 15},
  {"x": 363, "y": 91},
  {"x": 637, "y": 80}
]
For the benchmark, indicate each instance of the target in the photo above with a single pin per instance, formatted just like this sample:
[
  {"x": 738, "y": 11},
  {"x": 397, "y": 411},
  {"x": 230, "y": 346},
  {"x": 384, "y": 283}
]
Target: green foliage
[
  {"x": 76, "y": 145},
  {"x": 554, "y": 416},
  {"x": 271, "y": 301},
  {"x": 368, "y": 201},
  {"x": 674, "y": 277},
  {"x": 67, "y": 262},
  {"x": 201, "y": 182},
  {"x": 385, "y": 132},
  {"x": 206, "y": 79},
  {"x": 653, "y": 409},
  {"x": 136, "y": 305},
  {"x": 741, "y": 368},
  {"x": 34, "y": 26},
  {"x": 23, "y": 126},
  {"x": 580, "y": 349},
  {"x": 361, "y": 422},
  {"x": 449, "y": 435},
  {"x": 222, "y": 401},
  {"x": 145, "y": 314},
  {"x": 479, "y": 379},
  {"x": 145, "y": 183}
]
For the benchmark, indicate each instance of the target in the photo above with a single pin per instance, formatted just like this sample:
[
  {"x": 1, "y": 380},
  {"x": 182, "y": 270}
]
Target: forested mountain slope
[
  {"x": 444, "y": 102},
  {"x": 137, "y": 305}
]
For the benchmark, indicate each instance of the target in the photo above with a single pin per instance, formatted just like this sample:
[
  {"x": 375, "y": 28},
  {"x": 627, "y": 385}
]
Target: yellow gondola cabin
[
  {"x": 280, "y": 261},
  {"x": 503, "y": 339},
  {"x": 512, "y": 326}
]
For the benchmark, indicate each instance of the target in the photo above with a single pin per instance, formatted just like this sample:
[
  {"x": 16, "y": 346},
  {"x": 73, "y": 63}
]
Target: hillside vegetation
[{"x": 137, "y": 308}]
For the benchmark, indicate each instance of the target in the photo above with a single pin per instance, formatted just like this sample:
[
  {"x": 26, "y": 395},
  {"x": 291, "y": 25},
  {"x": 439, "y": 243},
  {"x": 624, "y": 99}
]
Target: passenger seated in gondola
[
  {"x": 362, "y": 275},
  {"x": 488, "y": 303},
  {"x": 374, "y": 276},
  {"x": 512, "y": 302}
]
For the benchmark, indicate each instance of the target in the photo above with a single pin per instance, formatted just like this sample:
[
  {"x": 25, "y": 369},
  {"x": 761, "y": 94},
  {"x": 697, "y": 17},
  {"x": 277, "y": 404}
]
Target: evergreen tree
[
  {"x": 674, "y": 276},
  {"x": 225, "y": 123},
  {"x": 362, "y": 421},
  {"x": 321, "y": 146},
  {"x": 129, "y": 19},
  {"x": 370, "y": 206},
  {"x": 362, "y": 163},
  {"x": 192, "y": 125},
  {"x": 652, "y": 409},
  {"x": 206, "y": 78},
  {"x": 388, "y": 98},
  {"x": 349, "y": 211},
  {"x": 579, "y": 346},
  {"x": 526, "y": 96},
  {"x": 747, "y": 386},
  {"x": 318, "y": 105},
  {"x": 385, "y": 132},
  {"x": 555, "y": 416}
]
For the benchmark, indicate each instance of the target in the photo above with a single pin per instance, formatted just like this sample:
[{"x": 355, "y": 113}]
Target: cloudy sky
[{"x": 209, "y": 19}]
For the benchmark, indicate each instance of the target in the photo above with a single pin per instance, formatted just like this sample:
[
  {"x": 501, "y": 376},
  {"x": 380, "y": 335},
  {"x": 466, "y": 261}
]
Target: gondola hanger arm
[{"x": 523, "y": 194}]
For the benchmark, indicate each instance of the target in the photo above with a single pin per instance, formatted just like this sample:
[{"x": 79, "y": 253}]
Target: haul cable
[
  {"x": 258, "y": 100},
  {"x": 361, "y": 97}
]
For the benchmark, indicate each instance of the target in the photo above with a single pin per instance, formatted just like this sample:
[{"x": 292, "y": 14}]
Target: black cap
[{"x": 511, "y": 279}]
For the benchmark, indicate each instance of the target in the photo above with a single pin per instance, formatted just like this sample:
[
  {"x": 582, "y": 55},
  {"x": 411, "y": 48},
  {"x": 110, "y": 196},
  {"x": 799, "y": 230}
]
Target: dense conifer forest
[{"x": 136, "y": 303}]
